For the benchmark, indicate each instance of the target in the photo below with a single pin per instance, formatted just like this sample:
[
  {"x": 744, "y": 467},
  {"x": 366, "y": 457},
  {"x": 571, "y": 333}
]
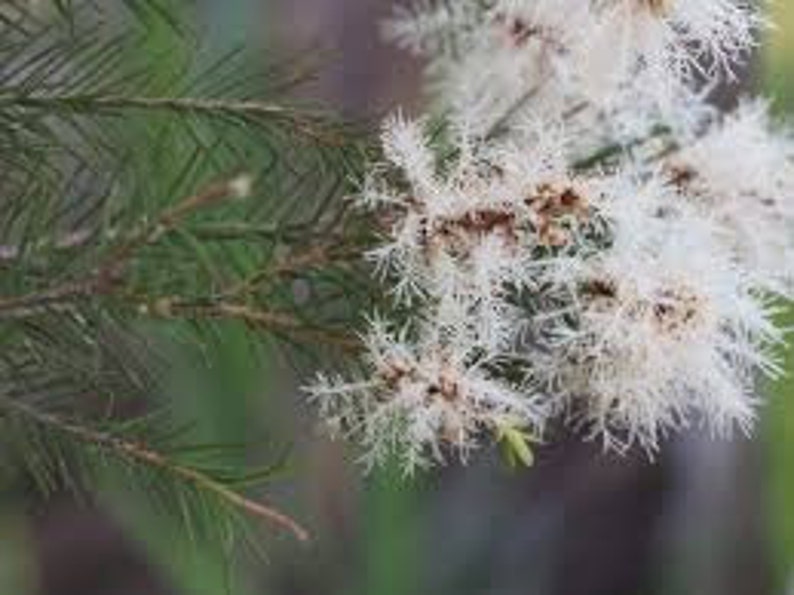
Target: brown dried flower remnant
[{"x": 551, "y": 207}]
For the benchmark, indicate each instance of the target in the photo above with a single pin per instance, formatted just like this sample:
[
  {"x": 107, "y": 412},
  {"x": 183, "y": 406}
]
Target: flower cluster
[{"x": 586, "y": 237}]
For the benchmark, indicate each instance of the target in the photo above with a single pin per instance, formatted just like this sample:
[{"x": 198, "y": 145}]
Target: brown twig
[
  {"x": 167, "y": 221},
  {"x": 146, "y": 456},
  {"x": 312, "y": 256},
  {"x": 301, "y": 123},
  {"x": 267, "y": 319},
  {"x": 105, "y": 277},
  {"x": 20, "y": 306}
]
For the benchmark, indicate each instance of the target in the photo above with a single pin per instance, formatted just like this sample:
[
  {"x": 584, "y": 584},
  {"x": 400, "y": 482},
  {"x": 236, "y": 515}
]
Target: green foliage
[
  {"x": 515, "y": 447},
  {"x": 148, "y": 185}
]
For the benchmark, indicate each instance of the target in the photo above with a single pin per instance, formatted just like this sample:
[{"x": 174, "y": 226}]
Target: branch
[
  {"x": 267, "y": 319},
  {"x": 329, "y": 251},
  {"x": 603, "y": 155},
  {"x": 151, "y": 458},
  {"x": 94, "y": 104},
  {"x": 105, "y": 277},
  {"x": 211, "y": 232}
]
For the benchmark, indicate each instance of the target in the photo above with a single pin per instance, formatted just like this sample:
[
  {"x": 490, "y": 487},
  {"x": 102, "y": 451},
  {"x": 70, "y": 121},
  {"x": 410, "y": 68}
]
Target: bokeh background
[{"x": 707, "y": 517}]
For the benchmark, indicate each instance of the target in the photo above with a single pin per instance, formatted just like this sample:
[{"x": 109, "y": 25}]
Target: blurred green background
[
  {"x": 778, "y": 82},
  {"x": 615, "y": 527}
]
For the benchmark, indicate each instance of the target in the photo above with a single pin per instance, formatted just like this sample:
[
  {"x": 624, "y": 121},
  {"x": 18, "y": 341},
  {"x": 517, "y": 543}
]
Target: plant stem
[
  {"x": 105, "y": 277},
  {"x": 301, "y": 123},
  {"x": 151, "y": 458},
  {"x": 268, "y": 319}
]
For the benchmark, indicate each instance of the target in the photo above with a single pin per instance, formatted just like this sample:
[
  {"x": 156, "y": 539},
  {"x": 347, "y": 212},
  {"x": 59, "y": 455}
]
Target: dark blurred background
[{"x": 707, "y": 517}]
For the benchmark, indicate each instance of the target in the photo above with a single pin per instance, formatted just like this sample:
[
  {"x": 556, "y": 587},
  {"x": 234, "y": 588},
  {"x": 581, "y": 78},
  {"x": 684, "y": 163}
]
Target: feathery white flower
[
  {"x": 552, "y": 55},
  {"x": 420, "y": 399},
  {"x": 588, "y": 229},
  {"x": 512, "y": 53},
  {"x": 672, "y": 39},
  {"x": 741, "y": 171},
  {"x": 472, "y": 229},
  {"x": 669, "y": 330},
  {"x": 427, "y": 27}
]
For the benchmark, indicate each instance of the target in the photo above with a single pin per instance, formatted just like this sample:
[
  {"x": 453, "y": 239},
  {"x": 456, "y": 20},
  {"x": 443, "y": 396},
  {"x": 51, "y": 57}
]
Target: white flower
[
  {"x": 586, "y": 235},
  {"x": 422, "y": 398},
  {"x": 512, "y": 53},
  {"x": 427, "y": 27},
  {"x": 470, "y": 231},
  {"x": 741, "y": 171},
  {"x": 488, "y": 61},
  {"x": 669, "y": 330},
  {"x": 672, "y": 38}
]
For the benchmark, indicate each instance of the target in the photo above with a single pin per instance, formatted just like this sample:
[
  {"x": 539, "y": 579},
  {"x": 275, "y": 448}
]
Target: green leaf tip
[{"x": 514, "y": 444}]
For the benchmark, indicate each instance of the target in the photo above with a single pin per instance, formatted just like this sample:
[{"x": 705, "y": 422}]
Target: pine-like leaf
[{"x": 136, "y": 189}]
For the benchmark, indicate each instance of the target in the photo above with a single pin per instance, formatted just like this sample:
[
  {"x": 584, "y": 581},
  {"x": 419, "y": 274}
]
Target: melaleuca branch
[
  {"x": 109, "y": 273},
  {"x": 108, "y": 221},
  {"x": 97, "y": 105},
  {"x": 281, "y": 323},
  {"x": 141, "y": 454},
  {"x": 107, "y": 279}
]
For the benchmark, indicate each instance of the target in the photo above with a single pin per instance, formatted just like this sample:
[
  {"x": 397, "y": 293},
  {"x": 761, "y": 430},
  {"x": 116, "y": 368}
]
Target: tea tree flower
[
  {"x": 498, "y": 56},
  {"x": 586, "y": 237},
  {"x": 471, "y": 229},
  {"x": 741, "y": 171},
  {"x": 668, "y": 331},
  {"x": 675, "y": 37},
  {"x": 486, "y": 59},
  {"x": 421, "y": 398}
]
